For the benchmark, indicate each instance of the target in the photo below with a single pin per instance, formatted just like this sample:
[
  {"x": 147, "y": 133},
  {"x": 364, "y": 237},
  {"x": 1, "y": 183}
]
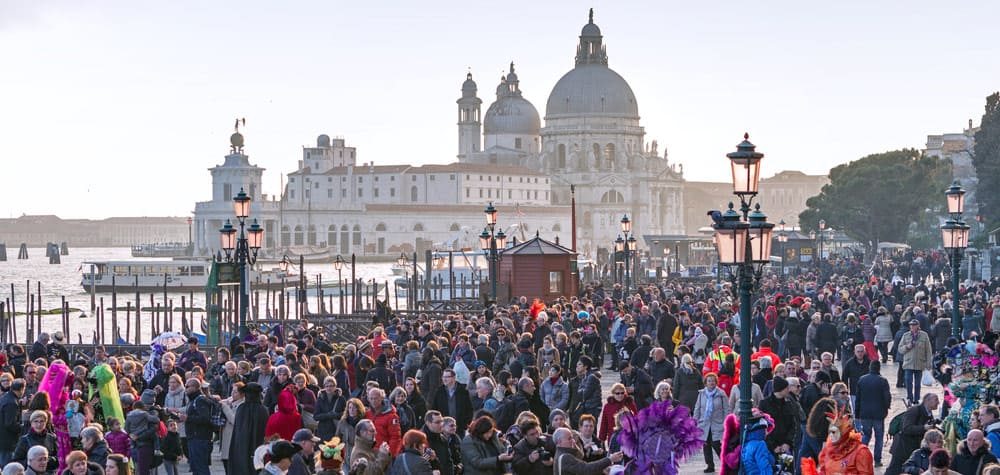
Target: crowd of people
[{"x": 518, "y": 388}]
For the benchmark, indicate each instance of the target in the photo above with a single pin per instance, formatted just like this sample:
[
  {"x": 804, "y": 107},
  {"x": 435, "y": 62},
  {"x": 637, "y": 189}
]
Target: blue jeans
[
  {"x": 912, "y": 380},
  {"x": 5, "y": 458},
  {"x": 200, "y": 456},
  {"x": 878, "y": 425}
]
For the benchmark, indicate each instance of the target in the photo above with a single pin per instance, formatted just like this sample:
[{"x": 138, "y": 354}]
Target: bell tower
[{"x": 469, "y": 120}]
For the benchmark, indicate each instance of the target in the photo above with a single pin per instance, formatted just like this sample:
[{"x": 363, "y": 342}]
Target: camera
[{"x": 543, "y": 454}]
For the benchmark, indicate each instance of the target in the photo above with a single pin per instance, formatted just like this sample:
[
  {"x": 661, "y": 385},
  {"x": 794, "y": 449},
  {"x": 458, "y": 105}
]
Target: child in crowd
[
  {"x": 118, "y": 440},
  {"x": 170, "y": 446}
]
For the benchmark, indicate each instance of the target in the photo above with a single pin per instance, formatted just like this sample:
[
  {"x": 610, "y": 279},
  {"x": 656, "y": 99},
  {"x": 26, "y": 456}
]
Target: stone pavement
[{"x": 696, "y": 464}]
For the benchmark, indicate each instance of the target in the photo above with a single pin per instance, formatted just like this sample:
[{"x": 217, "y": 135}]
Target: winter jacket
[
  {"x": 754, "y": 456},
  {"x": 611, "y": 408},
  {"x": 409, "y": 462},
  {"x": 874, "y": 397},
  {"x": 589, "y": 394},
  {"x": 687, "y": 383},
  {"x": 480, "y": 456},
  {"x": 386, "y": 427},
  {"x": 720, "y": 409},
  {"x": 199, "y": 418},
  {"x": 570, "y": 461},
  {"x": 918, "y": 462},
  {"x": 883, "y": 329},
  {"x": 439, "y": 444},
  {"x": 378, "y": 462},
  {"x": 853, "y": 371},
  {"x": 329, "y": 409},
  {"x": 555, "y": 395},
  {"x": 143, "y": 425},
  {"x": 430, "y": 376},
  {"x": 463, "y": 404},
  {"x": 229, "y": 410},
  {"x": 287, "y": 419},
  {"x": 10, "y": 421},
  {"x": 31, "y": 439},
  {"x": 972, "y": 463},
  {"x": 918, "y": 356}
]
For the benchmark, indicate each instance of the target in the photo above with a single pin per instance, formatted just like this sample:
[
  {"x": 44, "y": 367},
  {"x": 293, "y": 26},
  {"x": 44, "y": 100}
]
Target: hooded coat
[
  {"x": 611, "y": 407},
  {"x": 250, "y": 424},
  {"x": 754, "y": 455},
  {"x": 287, "y": 419}
]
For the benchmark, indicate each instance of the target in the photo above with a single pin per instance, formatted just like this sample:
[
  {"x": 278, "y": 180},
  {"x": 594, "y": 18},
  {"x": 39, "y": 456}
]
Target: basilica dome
[
  {"x": 511, "y": 113},
  {"x": 591, "y": 88}
]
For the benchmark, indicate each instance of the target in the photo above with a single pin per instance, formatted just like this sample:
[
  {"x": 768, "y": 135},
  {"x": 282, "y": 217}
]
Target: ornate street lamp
[
  {"x": 743, "y": 240},
  {"x": 241, "y": 248},
  {"x": 783, "y": 239},
  {"x": 492, "y": 244},
  {"x": 627, "y": 245},
  {"x": 955, "y": 237}
]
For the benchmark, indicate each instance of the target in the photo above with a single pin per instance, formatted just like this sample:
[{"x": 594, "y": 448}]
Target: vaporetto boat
[{"x": 155, "y": 276}]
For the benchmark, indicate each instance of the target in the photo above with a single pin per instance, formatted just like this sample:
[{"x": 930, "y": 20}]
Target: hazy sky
[{"x": 114, "y": 108}]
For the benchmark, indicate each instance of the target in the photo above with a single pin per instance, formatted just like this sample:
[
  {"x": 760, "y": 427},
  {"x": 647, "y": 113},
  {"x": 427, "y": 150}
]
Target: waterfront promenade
[{"x": 696, "y": 464}]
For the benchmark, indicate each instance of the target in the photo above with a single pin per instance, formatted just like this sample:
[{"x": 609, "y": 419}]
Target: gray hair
[
  {"x": 92, "y": 433},
  {"x": 37, "y": 450},
  {"x": 560, "y": 434},
  {"x": 522, "y": 383},
  {"x": 13, "y": 468},
  {"x": 485, "y": 382},
  {"x": 364, "y": 423}
]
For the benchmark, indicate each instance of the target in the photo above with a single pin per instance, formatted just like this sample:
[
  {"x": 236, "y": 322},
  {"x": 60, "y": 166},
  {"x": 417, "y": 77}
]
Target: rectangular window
[
  {"x": 413, "y": 178},
  {"x": 307, "y": 194},
  {"x": 329, "y": 192},
  {"x": 555, "y": 282},
  {"x": 517, "y": 143},
  {"x": 392, "y": 178},
  {"x": 361, "y": 179},
  {"x": 227, "y": 192},
  {"x": 361, "y": 192},
  {"x": 316, "y": 185},
  {"x": 510, "y": 194},
  {"x": 392, "y": 192},
  {"x": 467, "y": 192},
  {"x": 329, "y": 179},
  {"x": 376, "y": 179},
  {"x": 451, "y": 177},
  {"x": 480, "y": 192},
  {"x": 376, "y": 192},
  {"x": 343, "y": 192},
  {"x": 291, "y": 194},
  {"x": 432, "y": 177}
]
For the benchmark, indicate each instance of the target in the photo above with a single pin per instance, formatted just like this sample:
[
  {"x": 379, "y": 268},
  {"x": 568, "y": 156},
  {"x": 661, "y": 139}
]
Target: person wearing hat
[
  {"x": 56, "y": 350},
  {"x": 915, "y": 346},
  {"x": 192, "y": 356},
  {"x": 279, "y": 457},
  {"x": 306, "y": 457},
  {"x": 787, "y": 415},
  {"x": 250, "y": 424}
]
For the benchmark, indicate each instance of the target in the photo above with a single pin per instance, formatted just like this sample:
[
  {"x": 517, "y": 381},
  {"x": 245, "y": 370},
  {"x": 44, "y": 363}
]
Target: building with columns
[{"x": 592, "y": 139}]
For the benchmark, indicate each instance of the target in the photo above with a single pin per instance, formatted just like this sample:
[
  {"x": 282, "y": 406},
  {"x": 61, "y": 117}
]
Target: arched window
[
  {"x": 418, "y": 227},
  {"x": 561, "y": 157},
  {"x": 285, "y": 236},
  {"x": 413, "y": 194},
  {"x": 356, "y": 238},
  {"x": 609, "y": 156},
  {"x": 298, "y": 235},
  {"x": 455, "y": 227},
  {"x": 612, "y": 196},
  {"x": 597, "y": 155},
  {"x": 380, "y": 227},
  {"x": 345, "y": 240},
  {"x": 311, "y": 235},
  {"x": 331, "y": 235}
]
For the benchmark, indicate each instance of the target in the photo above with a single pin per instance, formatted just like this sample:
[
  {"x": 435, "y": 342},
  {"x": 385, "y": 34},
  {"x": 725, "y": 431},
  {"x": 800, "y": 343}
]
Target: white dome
[
  {"x": 592, "y": 89},
  {"x": 512, "y": 115}
]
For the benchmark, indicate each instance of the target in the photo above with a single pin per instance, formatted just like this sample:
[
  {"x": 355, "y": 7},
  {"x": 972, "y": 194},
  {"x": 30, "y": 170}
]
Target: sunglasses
[
  {"x": 619, "y": 393},
  {"x": 844, "y": 392}
]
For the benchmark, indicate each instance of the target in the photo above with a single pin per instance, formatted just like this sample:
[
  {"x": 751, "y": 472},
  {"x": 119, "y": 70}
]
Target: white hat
[{"x": 57, "y": 336}]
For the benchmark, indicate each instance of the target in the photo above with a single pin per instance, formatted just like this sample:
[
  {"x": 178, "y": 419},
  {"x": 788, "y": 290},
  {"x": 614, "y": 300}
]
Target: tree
[
  {"x": 986, "y": 159},
  {"x": 876, "y": 198}
]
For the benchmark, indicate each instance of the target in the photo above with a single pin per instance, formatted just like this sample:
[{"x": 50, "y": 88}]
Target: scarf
[{"x": 710, "y": 396}]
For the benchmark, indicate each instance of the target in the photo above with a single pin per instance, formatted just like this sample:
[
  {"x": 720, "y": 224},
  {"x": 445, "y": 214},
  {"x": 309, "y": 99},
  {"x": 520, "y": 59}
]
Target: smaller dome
[
  {"x": 590, "y": 29},
  {"x": 323, "y": 141},
  {"x": 512, "y": 115},
  {"x": 469, "y": 85}
]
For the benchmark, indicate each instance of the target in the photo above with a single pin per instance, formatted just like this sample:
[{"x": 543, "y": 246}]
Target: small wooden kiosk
[{"x": 537, "y": 268}]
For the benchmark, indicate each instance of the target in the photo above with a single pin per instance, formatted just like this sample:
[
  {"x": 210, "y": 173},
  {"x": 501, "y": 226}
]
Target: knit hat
[
  {"x": 557, "y": 412},
  {"x": 779, "y": 384},
  {"x": 148, "y": 397}
]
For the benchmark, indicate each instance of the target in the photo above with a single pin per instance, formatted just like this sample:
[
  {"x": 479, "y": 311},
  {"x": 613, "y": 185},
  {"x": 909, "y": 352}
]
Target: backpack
[
  {"x": 505, "y": 414},
  {"x": 215, "y": 413},
  {"x": 896, "y": 424}
]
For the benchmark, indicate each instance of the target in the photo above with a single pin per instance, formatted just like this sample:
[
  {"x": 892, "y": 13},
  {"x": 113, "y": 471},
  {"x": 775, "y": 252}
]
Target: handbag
[
  {"x": 928, "y": 378},
  {"x": 309, "y": 421}
]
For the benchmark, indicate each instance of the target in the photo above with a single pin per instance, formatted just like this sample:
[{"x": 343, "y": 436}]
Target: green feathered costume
[{"x": 107, "y": 387}]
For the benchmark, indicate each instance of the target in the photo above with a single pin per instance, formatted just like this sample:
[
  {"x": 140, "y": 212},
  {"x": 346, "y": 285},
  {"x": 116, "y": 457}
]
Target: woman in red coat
[
  {"x": 287, "y": 419},
  {"x": 619, "y": 400}
]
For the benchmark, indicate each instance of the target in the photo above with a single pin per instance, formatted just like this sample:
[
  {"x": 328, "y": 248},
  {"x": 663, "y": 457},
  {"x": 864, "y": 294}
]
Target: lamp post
[
  {"x": 242, "y": 250},
  {"x": 628, "y": 246},
  {"x": 338, "y": 265},
  {"x": 743, "y": 240},
  {"x": 782, "y": 238},
  {"x": 955, "y": 236},
  {"x": 491, "y": 242},
  {"x": 819, "y": 260}
]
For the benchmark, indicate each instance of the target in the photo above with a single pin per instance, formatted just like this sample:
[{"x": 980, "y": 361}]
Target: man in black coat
[
  {"x": 916, "y": 420},
  {"x": 251, "y": 420},
  {"x": 10, "y": 420},
  {"x": 665, "y": 326},
  {"x": 659, "y": 367},
  {"x": 815, "y": 391},
  {"x": 827, "y": 336},
  {"x": 785, "y": 412},
  {"x": 973, "y": 454},
  {"x": 855, "y": 368},
  {"x": 433, "y": 428},
  {"x": 452, "y": 399},
  {"x": 638, "y": 384},
  {"x": 872, "y": 409}
]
